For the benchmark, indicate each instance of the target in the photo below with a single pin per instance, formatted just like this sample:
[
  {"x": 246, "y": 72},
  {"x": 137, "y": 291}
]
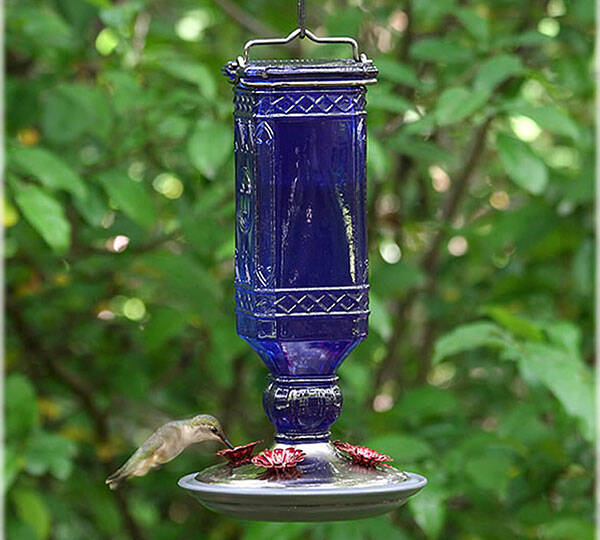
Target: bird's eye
[{"x": 214, "y": 429}]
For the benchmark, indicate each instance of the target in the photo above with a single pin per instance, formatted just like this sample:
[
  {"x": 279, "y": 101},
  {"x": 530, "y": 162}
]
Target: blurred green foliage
[{"x": 119, "y": 213}]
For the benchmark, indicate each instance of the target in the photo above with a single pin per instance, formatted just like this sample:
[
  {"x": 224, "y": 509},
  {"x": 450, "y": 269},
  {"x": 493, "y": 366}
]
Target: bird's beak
[{"x": 225, "y": 441}]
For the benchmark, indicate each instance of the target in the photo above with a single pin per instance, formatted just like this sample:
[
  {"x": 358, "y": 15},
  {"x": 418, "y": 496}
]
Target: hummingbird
[{"x": 166, "y": 443}]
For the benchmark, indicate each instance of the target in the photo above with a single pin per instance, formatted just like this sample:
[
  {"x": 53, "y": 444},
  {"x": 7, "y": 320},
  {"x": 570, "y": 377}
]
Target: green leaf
[
  {"x": 393, "y": 280},
  {"x": 490, "y": 471},
  {"x": 446, "y": 51},
  {"x": 344, "y": 21},
  {"x": 567, "y": 377},
  {"x": 93, "y": 208},
  {"x": 475, "y": 24},
  {"x": 187, "y": 280},
  {"x": 379, "y": 319},
  {"x": 32, "y": 510},
  {"x": 12, "y": 465},
  {"x": 386, "y": 101},
  {"x": 425, "y": 151},
  {"x": 194, "y": 73},
  {"x": 280, "y": 531},
  {"x": 522, "y": 166},
  {"x": 379, "y": 527},
  {"x": 564, "y": 334},
  {"x": 583, "y": 269},
  {"x": 209, "y": 147},
  {"x": 130, "y": 196},
  {"x": 122, "y": 14},
  {"x": 49, "y": 169},
  {"x": 43, "y": 27},
  {"x": 429, "y": 510},
  {"x": 357, "y": 379},
  {"x": 70, "y": 110},
  {"x": 567, "y": 527},
  {"x": 468, "y": 337},
  {"x": 395, "y": 72},
  {"x": 456, "y": 104},
  {"x": 46, "y": 216},
  {"x": 377, "y": 158},
  {"x": 49, "y": 452},
  {"x": 425, "y": 403},
  {"x": 519, "y": 326},
  {"x": 126, "y": 93},
  {"x": 21, "y": 407},
  {"x": 164, "y": 324},
  {"x": 496, "y": 70},
  {"x": 550, "y": 118},
  {"x": 402, "y": 448},
  {"x": 430, "y": 12}
]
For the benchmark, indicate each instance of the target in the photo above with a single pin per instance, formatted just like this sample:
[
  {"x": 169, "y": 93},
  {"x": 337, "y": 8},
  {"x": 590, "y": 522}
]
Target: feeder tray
[{"x": 329, "y": 487}]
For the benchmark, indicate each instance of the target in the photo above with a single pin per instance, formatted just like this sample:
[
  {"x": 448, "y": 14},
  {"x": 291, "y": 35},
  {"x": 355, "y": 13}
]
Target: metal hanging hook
[
  {"x": 301, "y": 32},
  {"x": 301, "y": 19}
]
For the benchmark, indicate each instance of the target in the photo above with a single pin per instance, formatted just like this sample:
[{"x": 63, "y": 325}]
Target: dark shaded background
[{"x": 119, "y": 213}]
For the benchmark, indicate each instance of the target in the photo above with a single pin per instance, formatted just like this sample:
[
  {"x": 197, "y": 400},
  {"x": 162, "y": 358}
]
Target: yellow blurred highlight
[
  {"x": 525, "y": 128},
  {"x": 77, "y": 433},
  {"x": 441, "y": 374},
  {"x": 49, "y": 409},
  {"x": 499, "y": 200},
  {"x": 28, "y": 136},
  {"x": 61, "y": 279},
  {"x": 513, "y": 471},
  {"x": 192, "y": 25},
  {"x": 107, "y": 450},
  {"x": 30, "y": 287},
  {"x": 134, "y": 309},
  {"x": 451, "y": 294},
  {"x": 563, "y": 157},
  {"x": 556, "y": 8},
  {"x": 549, "y": 27},
  {"x": 10, "y": 215},
  {"x": 107, "y": 41},
  {"x": 390, "y": 251},
  {"x": 168, "y": 185}
]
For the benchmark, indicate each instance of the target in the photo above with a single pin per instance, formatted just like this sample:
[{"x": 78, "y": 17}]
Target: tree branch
[
  {"x": 245, "y": 19},
  {"x": 390, "y": 366},
  {"x": 431, "y": 261}
]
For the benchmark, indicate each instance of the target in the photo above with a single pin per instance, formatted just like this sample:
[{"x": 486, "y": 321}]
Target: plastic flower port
[
  {"x": 361, "y": 455},
  {"x": 279, "y": 458},
  {"x": 239, "y": 455}
]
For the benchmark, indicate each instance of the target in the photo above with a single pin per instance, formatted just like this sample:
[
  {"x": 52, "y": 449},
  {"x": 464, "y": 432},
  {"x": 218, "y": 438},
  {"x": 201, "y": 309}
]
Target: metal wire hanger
[{"x": 301, "y": 32}]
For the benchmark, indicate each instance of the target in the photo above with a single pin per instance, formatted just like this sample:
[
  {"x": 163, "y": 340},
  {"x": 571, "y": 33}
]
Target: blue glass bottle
[{"x": 301, "y": 265}]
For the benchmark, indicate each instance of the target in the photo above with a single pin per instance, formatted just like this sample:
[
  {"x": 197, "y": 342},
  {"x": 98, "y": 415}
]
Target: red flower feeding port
[
  {"x": 279, "y": 458},
  {"x": 361, "y": 455},
  {"x": 240, "y": 455}
]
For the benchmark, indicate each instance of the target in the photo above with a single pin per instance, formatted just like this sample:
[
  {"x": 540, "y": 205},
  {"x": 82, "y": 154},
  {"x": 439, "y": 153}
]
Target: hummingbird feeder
[{"x": 301, "y": 280}]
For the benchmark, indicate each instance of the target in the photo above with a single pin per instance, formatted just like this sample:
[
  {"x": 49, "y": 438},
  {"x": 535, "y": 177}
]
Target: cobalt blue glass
[{"x": 301, "y": 265}]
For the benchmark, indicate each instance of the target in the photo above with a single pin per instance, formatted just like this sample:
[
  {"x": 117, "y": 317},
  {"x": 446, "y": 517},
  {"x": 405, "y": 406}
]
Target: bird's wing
[{"x": 145, "y": 456}]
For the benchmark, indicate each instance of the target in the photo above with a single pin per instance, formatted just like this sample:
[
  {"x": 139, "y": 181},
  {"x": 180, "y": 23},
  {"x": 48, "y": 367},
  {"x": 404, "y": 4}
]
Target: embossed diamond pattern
[
  {"x": 310, "y": 103},
  {"x": 301, "y": 303},
  {"x": 321, "y": 302}
]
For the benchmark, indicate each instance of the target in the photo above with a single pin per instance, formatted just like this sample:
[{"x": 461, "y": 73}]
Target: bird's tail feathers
[{"x": 116, "y": 478}]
